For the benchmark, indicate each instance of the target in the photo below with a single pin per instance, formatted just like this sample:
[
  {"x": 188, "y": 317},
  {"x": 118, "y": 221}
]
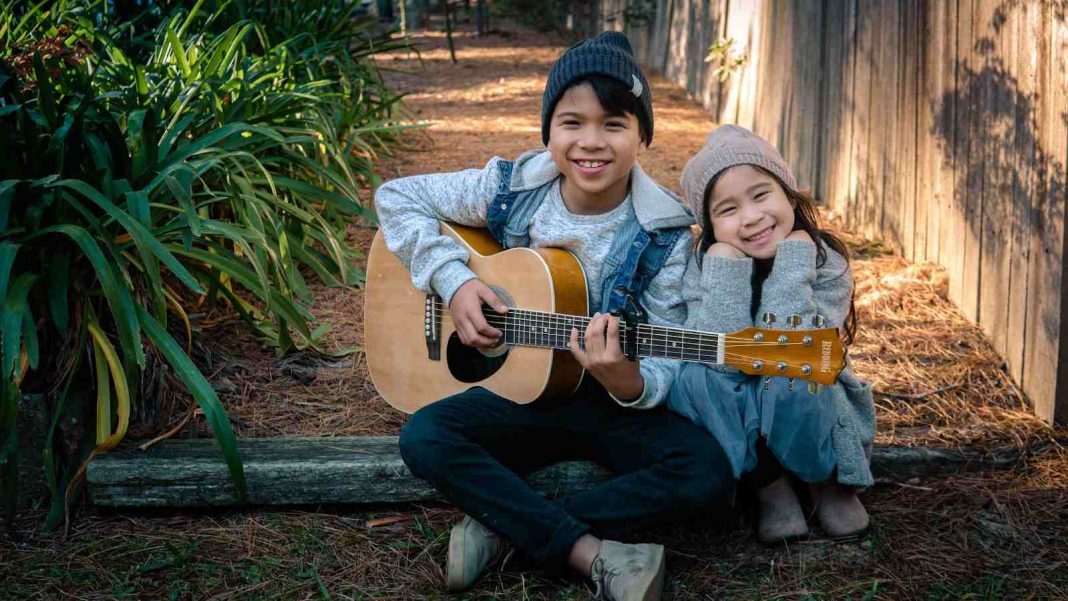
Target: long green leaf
[
  {"x": 179, "y": 53},
  {"x": 117, "y": 295},
  {"x": 205, "y": 396},
  {"x": 292, "y": 312},
  {"x": 138, "y": 232},
  {"x": 15, "y": 308}
]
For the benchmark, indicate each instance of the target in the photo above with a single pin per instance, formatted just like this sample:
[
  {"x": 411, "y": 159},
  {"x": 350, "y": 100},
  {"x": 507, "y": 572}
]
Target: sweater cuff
[
  {"x": 449, "y": 277},
  {"x": 792, "y": 255},
  {"x": 642, "y": 402},
  {"x": 717, "y": 269}
]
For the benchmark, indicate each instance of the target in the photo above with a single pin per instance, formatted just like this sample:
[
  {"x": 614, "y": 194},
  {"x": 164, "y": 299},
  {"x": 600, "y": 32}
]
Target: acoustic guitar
[{"x": 415, "y": 357}]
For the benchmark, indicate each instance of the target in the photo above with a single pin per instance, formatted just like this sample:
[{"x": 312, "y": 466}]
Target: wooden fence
[{"x": 940, "y": 126}]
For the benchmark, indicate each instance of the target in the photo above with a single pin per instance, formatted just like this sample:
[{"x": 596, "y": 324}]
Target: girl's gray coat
[{"x": 718, "y": 296}]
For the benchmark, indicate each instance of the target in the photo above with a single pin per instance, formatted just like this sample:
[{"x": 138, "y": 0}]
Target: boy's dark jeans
[{"x": 475, "y": 447}]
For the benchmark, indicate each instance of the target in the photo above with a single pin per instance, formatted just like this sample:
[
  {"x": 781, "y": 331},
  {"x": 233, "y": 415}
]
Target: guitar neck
[{"x": 522, "y": 327}]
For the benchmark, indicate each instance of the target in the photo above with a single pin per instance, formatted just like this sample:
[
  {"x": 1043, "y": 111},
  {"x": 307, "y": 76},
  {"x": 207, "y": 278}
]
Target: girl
[{"x": 761, "y": 253}]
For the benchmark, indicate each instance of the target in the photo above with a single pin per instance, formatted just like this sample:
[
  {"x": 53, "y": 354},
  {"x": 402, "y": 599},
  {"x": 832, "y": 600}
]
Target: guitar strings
[
  {"x": 520, "y": 317},
  {"x": 509, "y": 325},
  {"x": 682, "y": 351}
]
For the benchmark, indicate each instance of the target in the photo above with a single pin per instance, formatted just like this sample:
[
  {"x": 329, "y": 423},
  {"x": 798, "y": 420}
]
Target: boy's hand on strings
[
  {"x": 603, "y": 357},
  {"x": 467, "y": 318},
  {"x": 722, "y": 249}
]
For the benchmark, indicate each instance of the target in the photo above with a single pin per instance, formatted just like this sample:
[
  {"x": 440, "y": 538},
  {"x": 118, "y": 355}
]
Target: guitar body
[{"x": 398, "y": 358}]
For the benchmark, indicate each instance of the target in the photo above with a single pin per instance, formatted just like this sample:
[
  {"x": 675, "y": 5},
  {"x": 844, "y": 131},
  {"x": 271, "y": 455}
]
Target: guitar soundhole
[{"x": 468, "y": 364}]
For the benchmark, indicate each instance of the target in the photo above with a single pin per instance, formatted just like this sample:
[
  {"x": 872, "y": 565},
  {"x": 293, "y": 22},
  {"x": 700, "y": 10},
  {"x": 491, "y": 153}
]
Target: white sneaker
[
  {"x": 472, "y": 549},
  {"x": 628, "y": 572}
]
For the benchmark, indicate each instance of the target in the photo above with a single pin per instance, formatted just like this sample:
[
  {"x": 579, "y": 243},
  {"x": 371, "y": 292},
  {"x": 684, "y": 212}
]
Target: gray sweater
[
  {"x": 719, "y": 294},
  {"x": 719, "y": 297},
  {"x": 410, "y": 208}
]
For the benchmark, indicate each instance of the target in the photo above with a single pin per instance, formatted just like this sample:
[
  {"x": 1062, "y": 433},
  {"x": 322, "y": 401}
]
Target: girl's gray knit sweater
[
  {"x": 719, "y": 293},
  {"x": 410, "y": 208}
]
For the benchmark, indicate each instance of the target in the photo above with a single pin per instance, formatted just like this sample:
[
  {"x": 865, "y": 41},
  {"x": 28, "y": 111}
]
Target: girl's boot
[
  {"x": 840, "y": 512},
  {"x": 781, "y": 518}
]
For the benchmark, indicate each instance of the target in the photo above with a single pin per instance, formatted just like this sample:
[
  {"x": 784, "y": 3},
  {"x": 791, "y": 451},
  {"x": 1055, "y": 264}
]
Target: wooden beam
[{"x": 299, "y": 471}]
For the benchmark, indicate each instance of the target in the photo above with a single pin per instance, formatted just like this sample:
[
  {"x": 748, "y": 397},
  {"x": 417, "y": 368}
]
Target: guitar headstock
[{"x": 812, "y": 355}]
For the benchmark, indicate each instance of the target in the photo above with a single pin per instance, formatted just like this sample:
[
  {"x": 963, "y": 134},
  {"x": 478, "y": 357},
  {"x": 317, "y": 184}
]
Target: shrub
[{"x": 218, "y": 153}]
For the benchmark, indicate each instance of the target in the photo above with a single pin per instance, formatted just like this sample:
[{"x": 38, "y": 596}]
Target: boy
[{"x": 587, "y": 195}]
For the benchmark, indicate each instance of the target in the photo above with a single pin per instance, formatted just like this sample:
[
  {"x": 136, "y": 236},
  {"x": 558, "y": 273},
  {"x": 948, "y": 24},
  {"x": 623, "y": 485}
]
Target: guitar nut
[
  {"x": 758, "y": 365},
  {"x": 807, "y": 341},
  {"x": 783, "y": 339},
  {"x": 759, "y": 337},
  {"x": 806, "y": 369},
  {"x": 782, "y": 366}
]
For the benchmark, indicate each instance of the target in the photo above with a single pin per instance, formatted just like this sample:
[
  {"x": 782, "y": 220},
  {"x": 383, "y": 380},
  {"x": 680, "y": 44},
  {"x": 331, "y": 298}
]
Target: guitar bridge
[{"x": 432, "y": 327}]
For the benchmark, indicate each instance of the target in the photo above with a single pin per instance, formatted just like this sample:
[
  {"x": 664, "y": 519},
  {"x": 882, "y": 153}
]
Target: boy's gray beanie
[
  {"x": 727, "y": 146},
  {"x": 607, "y": 54}
]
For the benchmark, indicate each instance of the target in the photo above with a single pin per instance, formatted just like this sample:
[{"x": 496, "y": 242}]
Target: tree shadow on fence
[{"x": 1009, "y": 186}]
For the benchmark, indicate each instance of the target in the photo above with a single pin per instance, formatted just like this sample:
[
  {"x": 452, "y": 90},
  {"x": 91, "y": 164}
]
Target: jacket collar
[{"x": 655, "y": 206}]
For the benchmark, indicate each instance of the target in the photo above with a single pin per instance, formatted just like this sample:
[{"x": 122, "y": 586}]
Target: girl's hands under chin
[
  {"x": 722, "y": 249},
  {"x": 799, "y": 235}
]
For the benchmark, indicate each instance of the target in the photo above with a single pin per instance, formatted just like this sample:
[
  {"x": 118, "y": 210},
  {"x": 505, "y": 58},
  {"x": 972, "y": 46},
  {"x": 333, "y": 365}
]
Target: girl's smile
[{"x": 750, "y": 211}]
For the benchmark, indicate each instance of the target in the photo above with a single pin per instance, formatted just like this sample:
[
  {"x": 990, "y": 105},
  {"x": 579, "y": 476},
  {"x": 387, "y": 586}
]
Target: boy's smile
[{"x": 593, "y": 150}]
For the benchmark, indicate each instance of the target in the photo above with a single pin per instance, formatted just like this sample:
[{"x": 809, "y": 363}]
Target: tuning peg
[
  {"x": 769, "y": 318},
  {"x": 767, "y": 383},
  {"x": 814, "y": 388},
  {"x": 819, "y": 321},
  {"x": 790, "y": 384},
  {"x": 794, "y": 320}
]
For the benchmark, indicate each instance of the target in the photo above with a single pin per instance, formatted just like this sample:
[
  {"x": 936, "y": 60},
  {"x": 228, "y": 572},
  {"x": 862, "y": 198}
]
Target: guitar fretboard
[{"x": 523, "y": 327}]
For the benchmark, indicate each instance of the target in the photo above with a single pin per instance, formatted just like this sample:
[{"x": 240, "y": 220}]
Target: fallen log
[{"x": 299, "y": 471}]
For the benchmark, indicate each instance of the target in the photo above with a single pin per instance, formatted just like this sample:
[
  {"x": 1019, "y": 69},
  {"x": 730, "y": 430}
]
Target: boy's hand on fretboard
[{"x": 603, "y": 358}]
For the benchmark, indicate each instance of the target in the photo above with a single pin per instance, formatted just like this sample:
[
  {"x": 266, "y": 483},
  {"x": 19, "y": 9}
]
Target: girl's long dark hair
[{"x": 805, "y": 218}]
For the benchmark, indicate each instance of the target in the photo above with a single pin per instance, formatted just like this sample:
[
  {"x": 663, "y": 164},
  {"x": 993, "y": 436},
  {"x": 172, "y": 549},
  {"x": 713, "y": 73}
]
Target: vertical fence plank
[
  {"x": 678, "y": 41},
  {"x": 774, "y": 85},
  {"x": 993, "y": 128},
  {"x": 860, "y": 176},
  {"x": 1027, "y": 59},
  {"x": 801, "y": 127},
  {"x": 886, "y": 220},
  {"x": 875, "y": 143},
  {"x": 657, "y": 54},
  {"x": 929, "y": 44},
  {"x": 905, "y": 169},
  {"x": 838, "y": 100},
  {"x": 972, "y": 193},
  {"x": 745, "y": 24},
  {"x": 706, "y": 27}
]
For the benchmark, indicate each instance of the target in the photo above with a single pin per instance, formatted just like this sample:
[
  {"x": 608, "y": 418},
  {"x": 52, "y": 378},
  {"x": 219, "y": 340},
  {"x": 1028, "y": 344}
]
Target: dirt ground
[{"x": 975, "y": 536}]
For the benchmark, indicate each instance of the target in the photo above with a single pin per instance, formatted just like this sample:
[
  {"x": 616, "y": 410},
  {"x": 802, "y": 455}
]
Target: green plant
[
  {"x": 729, "y": 62},
  {"x": 206, "y": 159}
]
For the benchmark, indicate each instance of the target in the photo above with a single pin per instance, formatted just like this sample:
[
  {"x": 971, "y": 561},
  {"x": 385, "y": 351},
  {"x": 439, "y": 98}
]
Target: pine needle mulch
[{"x": 939, "y": 383}]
